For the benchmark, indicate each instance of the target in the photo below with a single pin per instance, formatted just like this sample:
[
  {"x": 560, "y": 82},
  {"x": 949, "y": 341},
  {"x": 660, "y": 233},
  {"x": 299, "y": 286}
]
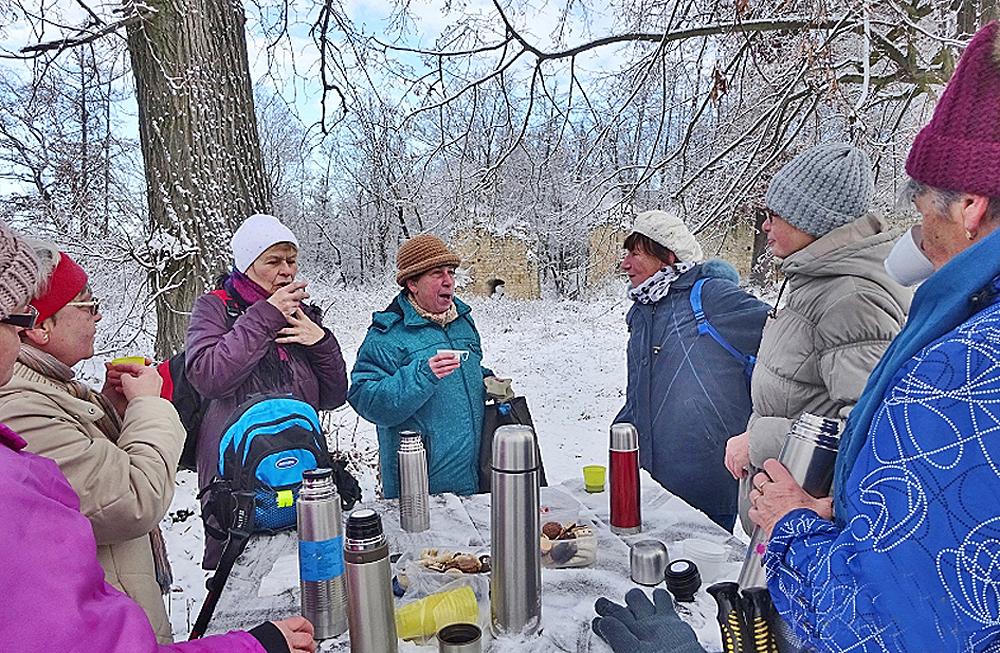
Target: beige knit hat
[
  {"x": 420, "y": 254},
  {"x": 670, "y": 231},
  {"x": 18, "y": 271}
]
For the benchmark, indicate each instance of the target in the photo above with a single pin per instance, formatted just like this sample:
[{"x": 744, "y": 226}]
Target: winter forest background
[{"x": 137, "y": 134}]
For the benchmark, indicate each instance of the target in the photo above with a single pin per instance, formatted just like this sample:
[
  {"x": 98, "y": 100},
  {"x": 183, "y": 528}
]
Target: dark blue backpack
[{"x": 269, "y": 443}]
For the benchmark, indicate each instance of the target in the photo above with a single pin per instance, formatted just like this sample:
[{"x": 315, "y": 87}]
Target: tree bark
[{"x": 198, "y": 130}]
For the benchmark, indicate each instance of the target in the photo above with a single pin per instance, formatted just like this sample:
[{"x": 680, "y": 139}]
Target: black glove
[
  {"x": 643, "y": 627},
  {"x": 347, "y": 485}
]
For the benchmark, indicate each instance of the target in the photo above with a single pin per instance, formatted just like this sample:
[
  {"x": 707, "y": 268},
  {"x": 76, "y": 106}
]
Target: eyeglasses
[
  {"x": 25, "y": 320},
  {"x": 93, "y": 305}
]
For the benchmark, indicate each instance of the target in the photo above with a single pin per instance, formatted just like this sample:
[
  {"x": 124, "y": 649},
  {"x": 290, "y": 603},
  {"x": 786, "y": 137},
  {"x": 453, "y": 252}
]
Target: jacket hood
[
  {"x": 856, "y": 249},
  {"x": 714, "y": 268}
]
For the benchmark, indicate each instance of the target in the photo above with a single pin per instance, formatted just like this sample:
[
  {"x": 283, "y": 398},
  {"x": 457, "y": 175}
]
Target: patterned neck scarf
[
  {"x": 61, "y": 374},
  {"x": 439, "y": 318},
  {"x": 110, "y": 425},
  {"x": 657, "y": 286}
]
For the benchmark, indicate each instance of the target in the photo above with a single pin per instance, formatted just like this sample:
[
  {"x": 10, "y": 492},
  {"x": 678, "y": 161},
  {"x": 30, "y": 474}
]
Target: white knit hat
[
  {"x": 668, "y": 230},
  {"x": 255, "y": 235}
]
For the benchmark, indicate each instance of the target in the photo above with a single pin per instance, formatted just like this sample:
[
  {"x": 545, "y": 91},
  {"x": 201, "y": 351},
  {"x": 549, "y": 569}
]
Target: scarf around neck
[
  {"x": 442, "y": 319},
  {"x": 657, "y": 286},
  {"x": 948, "y": 298},
  {"x": 62, "y": 375},
  {"x": 272, "y": 371}
]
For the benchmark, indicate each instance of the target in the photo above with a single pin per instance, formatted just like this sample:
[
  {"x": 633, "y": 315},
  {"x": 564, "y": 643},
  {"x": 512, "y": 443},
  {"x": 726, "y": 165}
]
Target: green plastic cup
[
  {"x": 129, "y": 360},
  {"x": 593, "y": 478}
]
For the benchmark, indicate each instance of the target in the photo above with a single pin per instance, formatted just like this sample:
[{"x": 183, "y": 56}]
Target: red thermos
[{"x": 626, "y": 514}]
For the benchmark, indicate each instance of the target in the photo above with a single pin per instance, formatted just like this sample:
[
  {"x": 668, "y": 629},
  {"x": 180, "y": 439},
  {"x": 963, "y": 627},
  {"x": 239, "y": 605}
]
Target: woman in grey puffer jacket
[{"x": 842, "y": 309}]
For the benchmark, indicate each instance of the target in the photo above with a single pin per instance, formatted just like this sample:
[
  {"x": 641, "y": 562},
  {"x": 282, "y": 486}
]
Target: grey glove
[{"x": 643, "y": 627}]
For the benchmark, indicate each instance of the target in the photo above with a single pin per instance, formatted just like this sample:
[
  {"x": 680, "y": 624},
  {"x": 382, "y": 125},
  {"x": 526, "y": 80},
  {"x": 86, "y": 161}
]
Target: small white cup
[
  {"x": 709, "y": 557},
  {"x": 460, "y": 354},
  {"x": 906, "y": 263}
]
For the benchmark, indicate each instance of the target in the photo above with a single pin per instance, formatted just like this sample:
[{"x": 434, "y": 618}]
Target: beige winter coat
[
  {"x": 842, "y": 310},
  {"x": 124, "y": 489}
]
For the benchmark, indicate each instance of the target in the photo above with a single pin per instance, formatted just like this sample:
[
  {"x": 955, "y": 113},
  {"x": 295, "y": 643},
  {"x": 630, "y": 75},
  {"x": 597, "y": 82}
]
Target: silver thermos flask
[
  {"x": 321, "y": 554},
  {"x": 809, "y": 453},
  {"x": 370, "y": 609},
  {"x": 516, "y": 577},
  {"x": 414, "y": 497}
]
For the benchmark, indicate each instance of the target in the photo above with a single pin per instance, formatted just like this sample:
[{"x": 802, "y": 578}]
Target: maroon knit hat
[{"x": 960, "y": 148}]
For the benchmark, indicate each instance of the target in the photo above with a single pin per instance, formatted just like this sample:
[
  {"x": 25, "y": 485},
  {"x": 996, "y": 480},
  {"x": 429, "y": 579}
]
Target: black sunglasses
[{"x": 24, "y": 320}]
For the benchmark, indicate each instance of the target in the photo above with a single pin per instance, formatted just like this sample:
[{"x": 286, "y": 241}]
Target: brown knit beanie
[
  {"x": 18, "y": 271},
  {"x": 420, "y": 254}
]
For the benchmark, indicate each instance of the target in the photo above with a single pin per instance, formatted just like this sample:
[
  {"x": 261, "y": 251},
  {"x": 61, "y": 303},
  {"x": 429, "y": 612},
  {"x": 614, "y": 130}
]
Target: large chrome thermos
[
  {"x": 516, "y": 577},
  {"x": 414, "y": 497},
  {"x": 626, "y": 512},
  {"x": 371, "y": 612},
  {"x": 809, "y": 453},
  {"x": 321, "y": 554}
]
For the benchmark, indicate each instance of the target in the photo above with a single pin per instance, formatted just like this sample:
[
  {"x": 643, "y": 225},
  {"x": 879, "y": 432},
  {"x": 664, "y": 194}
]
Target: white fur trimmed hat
[
  {"x": 255, "y": 235},
  {"x": 668, "y": 230}
]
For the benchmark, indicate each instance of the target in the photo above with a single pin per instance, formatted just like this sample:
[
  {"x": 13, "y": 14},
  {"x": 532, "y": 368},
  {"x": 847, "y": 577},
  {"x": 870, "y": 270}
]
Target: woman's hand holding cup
[
  {"x": 288, "y": 297},
  {"x": 444, "y": 363}
]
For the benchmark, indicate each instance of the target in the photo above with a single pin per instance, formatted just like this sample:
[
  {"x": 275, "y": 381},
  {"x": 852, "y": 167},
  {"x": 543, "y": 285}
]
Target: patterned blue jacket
[{"x": 916, "y": 566}]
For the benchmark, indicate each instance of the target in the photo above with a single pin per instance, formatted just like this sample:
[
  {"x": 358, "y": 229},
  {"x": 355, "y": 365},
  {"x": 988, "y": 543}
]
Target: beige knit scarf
[
  {"x": 110, "y": 425},
  {"x": 440, "y": 318}
]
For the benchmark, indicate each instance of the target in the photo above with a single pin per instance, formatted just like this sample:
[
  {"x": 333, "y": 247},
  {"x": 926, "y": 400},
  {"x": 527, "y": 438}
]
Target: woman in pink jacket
[{"x": 55, "y": 596}]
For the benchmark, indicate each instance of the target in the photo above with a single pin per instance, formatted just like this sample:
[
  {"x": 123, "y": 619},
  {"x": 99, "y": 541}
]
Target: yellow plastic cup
[
  {"x": 129, "y": 360},
  {"x": 593, "y": 478},
  {"x": 426, "y": 616}
]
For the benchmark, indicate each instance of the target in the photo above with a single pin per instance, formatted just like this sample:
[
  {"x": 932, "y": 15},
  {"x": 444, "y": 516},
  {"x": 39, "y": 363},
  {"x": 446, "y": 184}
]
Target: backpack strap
[
  {"x": 705, "y": 327},
  {"x": 232, "y": 306}
]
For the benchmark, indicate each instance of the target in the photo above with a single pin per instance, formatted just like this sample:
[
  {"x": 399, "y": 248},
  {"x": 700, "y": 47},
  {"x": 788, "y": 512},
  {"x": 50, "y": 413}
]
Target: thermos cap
[
  {"x": 317, "y": 474},
  {"x": 514, "y": 449},
  {"x": 683, "y": 580},
  {"x": 363, "y": 524},
  {"x": 409, "y": 434},
  {"x": 624, "y": 437}
]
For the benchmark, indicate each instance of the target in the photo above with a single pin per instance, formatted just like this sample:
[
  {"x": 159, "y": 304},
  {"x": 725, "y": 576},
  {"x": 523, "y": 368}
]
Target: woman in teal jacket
[{"x": 401, "y": 383}]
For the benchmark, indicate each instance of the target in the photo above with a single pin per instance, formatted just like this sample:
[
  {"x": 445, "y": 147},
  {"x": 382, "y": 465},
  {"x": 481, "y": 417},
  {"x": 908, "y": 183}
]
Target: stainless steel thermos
[
  {"x": 414, "y": 498},
  {"x": 809, "y": 453},
  {"x": 516, "y": 577},
  {"x": 626, "y": 514},
  {"x": 321, "y": 554},
  {"x": 370, "y": 608}
]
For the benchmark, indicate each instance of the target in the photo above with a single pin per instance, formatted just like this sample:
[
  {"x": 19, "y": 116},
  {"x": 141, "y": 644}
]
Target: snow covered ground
[{"x": 566, "y": 357}]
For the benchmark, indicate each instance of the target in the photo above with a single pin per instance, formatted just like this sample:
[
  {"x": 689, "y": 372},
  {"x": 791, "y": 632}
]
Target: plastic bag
[{"x": 565, "y": 540}]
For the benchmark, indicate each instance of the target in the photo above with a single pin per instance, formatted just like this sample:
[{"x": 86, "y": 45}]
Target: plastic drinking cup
[
  {"x": 129, "y": 360},
  {"x": 426, "y": 616},
  {"x": 593, "y": 478}
]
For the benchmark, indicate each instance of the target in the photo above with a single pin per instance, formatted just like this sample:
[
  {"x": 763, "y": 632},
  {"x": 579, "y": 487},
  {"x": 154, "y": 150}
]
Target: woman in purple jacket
[
  {"x": 257, "y": 336},
  {"x": 55, "y": 595}
]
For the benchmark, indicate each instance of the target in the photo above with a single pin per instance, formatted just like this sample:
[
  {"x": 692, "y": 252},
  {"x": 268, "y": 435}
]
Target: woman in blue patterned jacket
[{"x": 912, "y": 560}]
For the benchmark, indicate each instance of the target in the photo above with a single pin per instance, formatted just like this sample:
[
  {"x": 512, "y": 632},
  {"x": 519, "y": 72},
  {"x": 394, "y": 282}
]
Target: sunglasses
[
  {"x": 24, "y": 320},
  {"x": 93, "y": 305}
]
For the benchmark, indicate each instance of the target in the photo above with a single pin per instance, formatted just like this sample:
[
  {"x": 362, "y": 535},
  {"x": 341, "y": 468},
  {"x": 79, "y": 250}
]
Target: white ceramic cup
[
  {"x": 460, "y": 354},
  {"x": 907, "y": 264}
]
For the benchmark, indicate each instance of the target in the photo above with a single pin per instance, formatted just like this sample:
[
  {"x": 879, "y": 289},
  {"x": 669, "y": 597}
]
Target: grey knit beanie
[
  {"x": 18, "y": 271},
  {"x": 822, "y": 188}
]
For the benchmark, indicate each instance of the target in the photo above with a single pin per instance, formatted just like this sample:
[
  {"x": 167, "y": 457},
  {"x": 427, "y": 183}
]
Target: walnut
[
  {"x": 469, "y": 564},
  {"x": 552, "y": 530}
]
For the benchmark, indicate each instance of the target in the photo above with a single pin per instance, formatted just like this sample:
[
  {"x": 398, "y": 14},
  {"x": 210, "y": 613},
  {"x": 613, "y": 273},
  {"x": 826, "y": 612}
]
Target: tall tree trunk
[{"x": 202, "y": 155}]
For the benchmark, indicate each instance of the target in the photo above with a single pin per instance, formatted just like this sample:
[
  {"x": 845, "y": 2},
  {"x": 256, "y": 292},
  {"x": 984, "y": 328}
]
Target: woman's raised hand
[{"x": 300, "y": 330}]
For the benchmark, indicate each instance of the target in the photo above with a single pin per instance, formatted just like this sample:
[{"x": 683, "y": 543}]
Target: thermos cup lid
[
  {"x": 409, "y": 434},
  {"x": 514, "y": 449},
  {"x": 317, "y": 474},
  {"x": 364, "y": 524},
  {"x": 624, "y": 437}
]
